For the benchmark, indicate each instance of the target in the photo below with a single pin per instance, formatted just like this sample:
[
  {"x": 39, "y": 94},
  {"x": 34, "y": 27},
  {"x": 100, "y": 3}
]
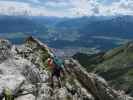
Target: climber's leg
[
  {"x": 59, "y": 82},
  {"x": 58, "y": 75},
  {"x": 52, "y": 80}
]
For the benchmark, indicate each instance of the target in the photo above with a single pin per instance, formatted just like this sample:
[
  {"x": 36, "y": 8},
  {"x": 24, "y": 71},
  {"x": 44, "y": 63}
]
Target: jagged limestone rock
[
  {"x": 22, "y": 72},
  {"x": 96, "y": 85},
  {"x": 26, "y": 97},
  {"x": 11, "y": 76},
  {"x": 5, "y": 47},
  {"x": 34, "y": 51},
  {"x": 44, "y": 92},
  {"x": 116, "y": 66}
]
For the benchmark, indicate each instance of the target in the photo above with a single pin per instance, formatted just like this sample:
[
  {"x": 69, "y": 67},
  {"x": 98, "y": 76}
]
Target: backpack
[{"x": 58, "y": 63}]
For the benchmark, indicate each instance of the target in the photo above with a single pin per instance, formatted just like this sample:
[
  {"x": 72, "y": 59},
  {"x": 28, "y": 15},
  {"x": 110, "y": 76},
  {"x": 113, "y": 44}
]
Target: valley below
[{"x": 84, "y": 34}]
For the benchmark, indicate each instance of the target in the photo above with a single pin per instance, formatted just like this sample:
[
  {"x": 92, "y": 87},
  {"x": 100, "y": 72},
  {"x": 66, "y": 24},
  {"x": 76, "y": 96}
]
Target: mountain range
[{"x": 99, "y": 32}]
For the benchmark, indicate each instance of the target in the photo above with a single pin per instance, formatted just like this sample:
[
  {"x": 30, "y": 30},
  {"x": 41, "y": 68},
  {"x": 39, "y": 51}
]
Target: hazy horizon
[{"x": 66, "y": 8}]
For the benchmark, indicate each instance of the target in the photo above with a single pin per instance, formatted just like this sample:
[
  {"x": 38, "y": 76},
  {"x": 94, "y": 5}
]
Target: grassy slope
[{"x": 116, "y": 66}]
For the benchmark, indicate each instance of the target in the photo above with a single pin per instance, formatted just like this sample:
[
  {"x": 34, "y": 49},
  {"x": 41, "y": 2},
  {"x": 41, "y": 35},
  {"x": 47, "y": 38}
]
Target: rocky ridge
[
  {"x": 115, "y": 66},
  {"x": 24, "y": 71}
]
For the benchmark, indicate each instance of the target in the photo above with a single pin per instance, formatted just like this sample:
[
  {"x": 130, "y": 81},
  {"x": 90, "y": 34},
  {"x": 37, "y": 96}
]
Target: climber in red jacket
[{"x": 57, "y": 69}]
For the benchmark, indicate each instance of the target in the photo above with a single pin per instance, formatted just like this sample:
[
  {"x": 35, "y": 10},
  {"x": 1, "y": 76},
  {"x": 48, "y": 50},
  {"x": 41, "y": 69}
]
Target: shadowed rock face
[
  {"x": 115, "y": 66},
  {"x": 25, "y": 73},
  {"x": 96, "y": 85}
]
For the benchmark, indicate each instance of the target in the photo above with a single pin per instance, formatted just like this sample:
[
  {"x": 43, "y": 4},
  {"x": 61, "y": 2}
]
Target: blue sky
[{"x": 66, "y": 8}]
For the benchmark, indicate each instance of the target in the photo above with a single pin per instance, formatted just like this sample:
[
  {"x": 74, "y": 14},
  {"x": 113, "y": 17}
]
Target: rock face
[
  {"x": 117, "y": 68},
  {"x": 96, "y": 85},
  {"x": 5, "y": 47},
  {"x": 24, "y": 71},
  {"x": 115, "y": 65}
]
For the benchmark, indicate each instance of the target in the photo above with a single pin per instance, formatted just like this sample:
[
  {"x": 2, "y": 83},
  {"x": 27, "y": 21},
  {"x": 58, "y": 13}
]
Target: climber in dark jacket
[{"x": 57, "y": 68}]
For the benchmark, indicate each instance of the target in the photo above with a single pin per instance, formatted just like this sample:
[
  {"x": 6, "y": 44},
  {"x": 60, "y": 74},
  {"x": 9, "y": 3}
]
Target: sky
[{"x": 66, "y": 8}]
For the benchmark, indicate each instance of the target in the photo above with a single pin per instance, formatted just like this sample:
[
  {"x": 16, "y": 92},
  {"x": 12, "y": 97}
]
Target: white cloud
[
  {"x": 124, "y": 7},
  {"x": 66, "y": 8},
  {"x": 54, "y": 4},
  {"x": 17, "y": 8},
  {"x": 86, "y": 7}
]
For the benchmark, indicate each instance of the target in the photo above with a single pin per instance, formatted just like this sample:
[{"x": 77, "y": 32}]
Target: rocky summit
[{"x": 26, "y": 76}]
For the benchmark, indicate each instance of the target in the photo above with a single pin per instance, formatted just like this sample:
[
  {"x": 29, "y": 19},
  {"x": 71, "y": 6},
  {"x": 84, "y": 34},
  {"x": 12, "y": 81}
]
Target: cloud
[
  {"x": 123, "y": 7},
  {"x": 66, "y": 8}
]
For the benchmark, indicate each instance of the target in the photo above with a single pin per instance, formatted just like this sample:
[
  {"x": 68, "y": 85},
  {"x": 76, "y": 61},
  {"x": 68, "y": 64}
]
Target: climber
[{"x": 57, "y": 67}]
